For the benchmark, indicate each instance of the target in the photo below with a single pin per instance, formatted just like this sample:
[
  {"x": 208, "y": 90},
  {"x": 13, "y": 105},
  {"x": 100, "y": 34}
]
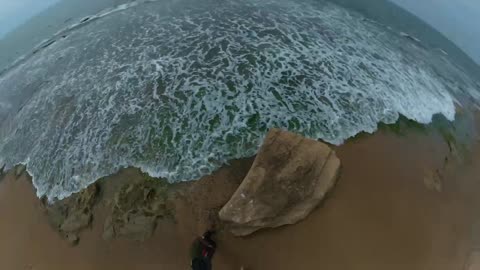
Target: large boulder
[{"x": 289, "y": 178}]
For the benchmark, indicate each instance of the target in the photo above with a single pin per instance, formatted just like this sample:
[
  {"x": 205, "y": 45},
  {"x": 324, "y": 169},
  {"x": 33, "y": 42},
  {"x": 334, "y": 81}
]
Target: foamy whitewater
[{"x": 178, "y": 88}]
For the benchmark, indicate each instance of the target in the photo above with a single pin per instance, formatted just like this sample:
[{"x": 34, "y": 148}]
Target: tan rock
[{"x": 289, "y": 178}]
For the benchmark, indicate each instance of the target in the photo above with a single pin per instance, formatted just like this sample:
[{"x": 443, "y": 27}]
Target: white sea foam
[{"x": 178, "y": 88}]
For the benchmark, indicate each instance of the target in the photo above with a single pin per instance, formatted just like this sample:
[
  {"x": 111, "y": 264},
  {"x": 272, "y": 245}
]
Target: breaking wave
[{"x": 178, "y": 88}]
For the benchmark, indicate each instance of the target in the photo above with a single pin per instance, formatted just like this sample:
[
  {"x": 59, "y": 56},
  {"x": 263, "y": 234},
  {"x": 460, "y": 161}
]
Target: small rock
[
  {"x": 454, "y": 153},
  {"x": 19, "y": 170},
  {"x": 2, "y": 169},
  {"x": 289, "y": 178},
  {"x": 72, "y": 215},
  {"x": 73, "y": 239}
]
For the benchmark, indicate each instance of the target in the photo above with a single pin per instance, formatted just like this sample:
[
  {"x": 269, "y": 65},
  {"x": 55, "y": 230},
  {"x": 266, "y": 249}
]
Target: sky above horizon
[
  {"x": 13, "y": 13},
  {"x": 458, "y": 20}
]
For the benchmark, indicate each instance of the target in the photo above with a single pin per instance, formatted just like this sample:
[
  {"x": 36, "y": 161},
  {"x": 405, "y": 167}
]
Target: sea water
[{"x": 178, "y": 88}]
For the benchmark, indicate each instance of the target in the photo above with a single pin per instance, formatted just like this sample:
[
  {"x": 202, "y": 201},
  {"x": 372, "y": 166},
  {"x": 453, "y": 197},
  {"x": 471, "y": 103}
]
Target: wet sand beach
[{"x": 382, "y": 214}]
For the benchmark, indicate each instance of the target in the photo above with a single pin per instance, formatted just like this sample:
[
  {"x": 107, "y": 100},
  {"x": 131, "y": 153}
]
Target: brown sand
[{"x": 381, "y": 215}]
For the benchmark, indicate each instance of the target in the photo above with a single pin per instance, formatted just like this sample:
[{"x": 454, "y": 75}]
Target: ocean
[{"x": 178, "y": 88}]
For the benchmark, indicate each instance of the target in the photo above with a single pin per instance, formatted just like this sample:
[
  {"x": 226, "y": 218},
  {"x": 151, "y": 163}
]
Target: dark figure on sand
[{"x": 202, "y": 251}]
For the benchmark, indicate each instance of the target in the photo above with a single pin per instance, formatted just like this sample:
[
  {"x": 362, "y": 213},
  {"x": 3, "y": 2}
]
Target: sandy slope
[{"x": 381, "y": 215}]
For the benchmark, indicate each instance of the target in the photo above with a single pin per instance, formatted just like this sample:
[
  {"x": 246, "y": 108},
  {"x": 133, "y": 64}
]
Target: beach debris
[
  {"x": 136, "y": 208},
  {"x": 19, "y": 170},
  {"x": 289, "y": 178},
  {"x": 71, "y": 215},
  {"x": 433, "y": 180}
]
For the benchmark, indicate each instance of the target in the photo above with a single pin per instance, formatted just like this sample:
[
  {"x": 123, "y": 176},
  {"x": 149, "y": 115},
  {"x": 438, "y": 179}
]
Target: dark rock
[
  {"x": 289, "y": 178},
  {"x": 48, "y": 43},
  {"x": 2, "y": 170},
  {"x": 76, "y": 221},
  {"x": 19, "y": 170},
  {"x": 73, "y": 239},
  {"x": 72, "y": 215},
  {"x": 86, "y": 19},
  {"x": 136, "y": 209}
]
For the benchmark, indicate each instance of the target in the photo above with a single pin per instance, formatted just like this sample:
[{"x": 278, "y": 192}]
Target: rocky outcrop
[
  {"x": 19, "y": 170},
  {"x": 136, "y": 208},
  {"x": 290, "y": 176},
  {"x": 73, "y": 214}
]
